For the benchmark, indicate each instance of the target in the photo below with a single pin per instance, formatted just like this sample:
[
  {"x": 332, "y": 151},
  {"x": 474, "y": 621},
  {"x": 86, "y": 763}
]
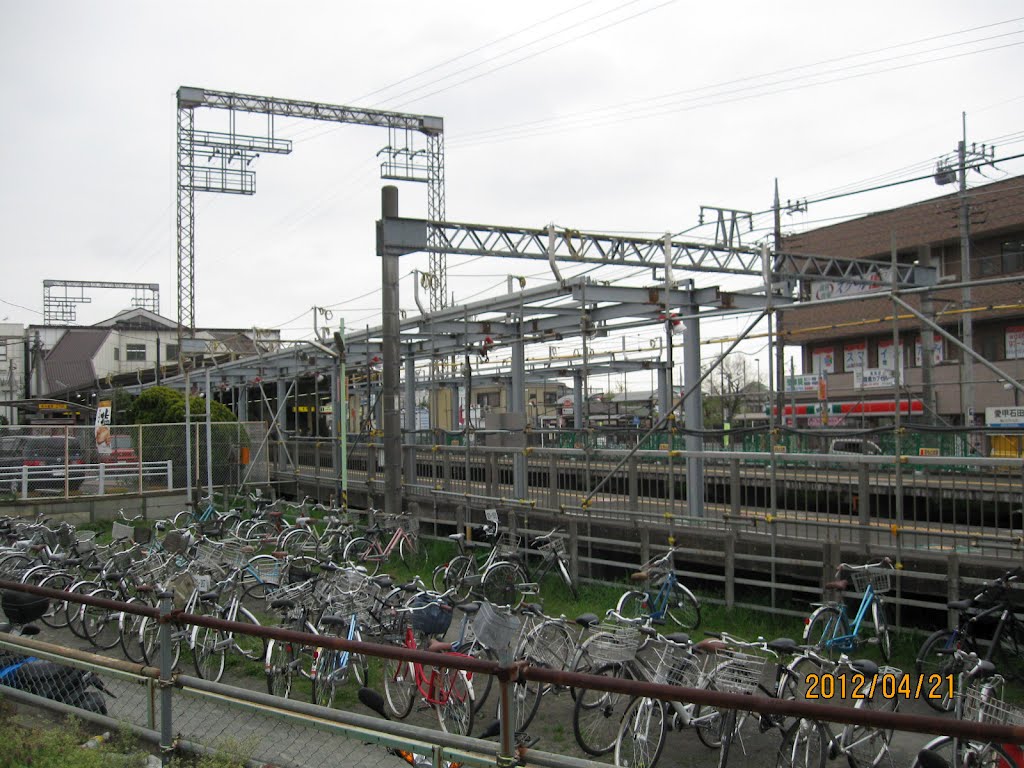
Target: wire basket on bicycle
[
  {"x": 671, "y": 664},
  {"x": 494, "y": 629},
  {"x": 983, "y": 704},
  {"x": 736, "y": 671},
  {"x": 880, "y": 580},
  {"x": 429, "y": 616},
  {"x": 614, "y": 643}
]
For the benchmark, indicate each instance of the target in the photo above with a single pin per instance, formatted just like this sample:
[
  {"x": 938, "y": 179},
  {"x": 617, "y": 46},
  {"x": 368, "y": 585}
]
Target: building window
[
  {"x": 117, "y": 353},
  {"x": 135, "y": 352},
  {"x": 3, "y": 350},
  {"x": 1013, "y": 256},
  {"x": 171, "y": 352},
  {"x": 550, "y": 398}
]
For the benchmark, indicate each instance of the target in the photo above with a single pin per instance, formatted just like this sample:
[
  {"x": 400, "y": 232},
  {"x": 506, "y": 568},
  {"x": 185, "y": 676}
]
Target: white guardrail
[{"x": 91, "y": 479}]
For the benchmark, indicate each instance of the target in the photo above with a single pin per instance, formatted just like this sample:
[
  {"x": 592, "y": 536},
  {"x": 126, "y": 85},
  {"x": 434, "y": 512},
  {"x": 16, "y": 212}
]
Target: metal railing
[{"x": 283, "y": 731}]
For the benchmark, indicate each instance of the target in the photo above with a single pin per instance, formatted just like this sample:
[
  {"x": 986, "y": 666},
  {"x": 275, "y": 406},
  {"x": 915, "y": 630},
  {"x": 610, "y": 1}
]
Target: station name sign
[{"x": 1009, "y": 416}]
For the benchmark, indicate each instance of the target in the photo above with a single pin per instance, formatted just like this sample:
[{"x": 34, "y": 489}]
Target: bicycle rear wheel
[
  {"x": 502, "y": 582},
  {"x": 867, "y": 747},
  {"x": 881, "y": 621},
  {"x": 102, "y": 625},
  {"x": 973, "y": 753},
  {"x": 633, "y": 604},
  {"x": 931, "y": 665},
  {"x": 359, "y": 552},
  {"x": 826, "y": 624},
  {"x": 280, "y": 668}
]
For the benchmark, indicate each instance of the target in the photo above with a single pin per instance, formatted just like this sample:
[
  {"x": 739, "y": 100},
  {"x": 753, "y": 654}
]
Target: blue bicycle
[
  {"x": 672, "y": 600},
  {"x": 829, "y": 629},
  {"x": 331, "y": 668}
]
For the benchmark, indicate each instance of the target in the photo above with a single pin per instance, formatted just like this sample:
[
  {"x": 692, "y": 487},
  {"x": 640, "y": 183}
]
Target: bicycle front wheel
[
  {"x": 865, "y": 746},
  {"x": 597, "y": 714},
  {"x": 300, "y": 543},
  {"x": 279, "y": 668},
  {"x": 455, "y": 710},
  {"x": 973, "y": 753},
  {"x": 399, "y": 687},
  {"x": 410, "y": 551},
  {"x": 209, "y": 653},
  {"x": 633, "y": 604},
  {"x": 328, "y": 674},
  {"x": 823, "y": 627},
  {"x": 881, "y": 621},
  {"x": 642, "y": 734},
  {"x": 683, "y": 607},
  {"x": 804, "y": 745},
  {"x": 1008, "y": 656},
  {"x": 102, "y": 626},
  {"x": 455, "y": 577}
]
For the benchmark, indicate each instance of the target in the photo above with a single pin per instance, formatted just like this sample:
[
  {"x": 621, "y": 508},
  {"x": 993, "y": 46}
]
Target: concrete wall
[{"x": 152, "y": 506}]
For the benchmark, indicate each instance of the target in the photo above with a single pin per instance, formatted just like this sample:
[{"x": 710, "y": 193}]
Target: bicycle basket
[
  {"x": 880, "y": 580},
  {"x": 494, "y": 629},
  {"x": 507, "y": 545},
  {"x": 614, "y": 643},
  {"x": 389, "y": 626},
  {"x": 430, "y": 617},
  {"x": 737, "y": 672},
  {"x": 264, "y": 571},
  {"x": 670, "y": 664},
  {"x": 348, "y": 603},
  {"x": 993, "y": 710},
  {"x": 300, "y": 594}
]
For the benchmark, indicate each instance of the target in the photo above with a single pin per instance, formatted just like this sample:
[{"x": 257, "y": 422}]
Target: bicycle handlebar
[{"x": 885, "y": 562}]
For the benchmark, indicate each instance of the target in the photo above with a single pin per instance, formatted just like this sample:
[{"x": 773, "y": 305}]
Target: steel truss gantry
[
  {"x": 59, "y": 310},
  {"x": 558, "y": 244},
  {"x": 228, "y": 156}
]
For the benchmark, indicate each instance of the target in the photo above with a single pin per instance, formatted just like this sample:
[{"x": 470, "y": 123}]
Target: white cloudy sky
[{"x": 599, "y": 115}]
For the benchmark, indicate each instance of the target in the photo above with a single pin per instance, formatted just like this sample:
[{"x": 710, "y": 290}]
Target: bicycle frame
[
  {"x": 658, "y": 604},
  {"x": 848, "y": 642},
  {"x": 431, "y": 687}
]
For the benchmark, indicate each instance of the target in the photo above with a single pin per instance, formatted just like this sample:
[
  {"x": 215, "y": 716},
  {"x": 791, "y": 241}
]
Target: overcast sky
[{"x": 605, "y": 116}]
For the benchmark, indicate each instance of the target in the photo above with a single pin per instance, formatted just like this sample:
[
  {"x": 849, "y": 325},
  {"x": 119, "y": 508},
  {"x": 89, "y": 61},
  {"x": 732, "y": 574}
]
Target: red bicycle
[{"x": 448, "y": 691}]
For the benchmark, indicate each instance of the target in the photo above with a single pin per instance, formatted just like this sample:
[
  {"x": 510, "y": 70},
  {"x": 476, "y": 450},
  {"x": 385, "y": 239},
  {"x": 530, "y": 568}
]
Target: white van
[{"x": 854, "y": 446}]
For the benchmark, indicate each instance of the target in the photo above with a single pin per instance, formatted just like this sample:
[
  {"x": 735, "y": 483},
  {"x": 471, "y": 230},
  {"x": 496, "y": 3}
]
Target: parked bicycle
[
  {"x": 978, "y": 699},
  {"x": 987, "y": 626},
  {"x": 369, "y": 551},
  {"x": 673, "y": 600},
  {"x": 829, "y": 627}
]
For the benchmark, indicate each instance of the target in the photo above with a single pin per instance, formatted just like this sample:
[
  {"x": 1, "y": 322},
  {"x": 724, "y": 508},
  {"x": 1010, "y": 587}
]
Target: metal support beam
[
  {"x": 517, "y": 407},
  {"x": 409, "y": 391},
  {"x": 390, "y": 327},
  {"x": 693, "y": 409}
]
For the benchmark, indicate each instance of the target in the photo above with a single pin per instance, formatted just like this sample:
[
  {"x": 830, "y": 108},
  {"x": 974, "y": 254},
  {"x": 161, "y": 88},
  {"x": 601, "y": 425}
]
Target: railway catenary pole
[{"x": 391, "y": 328}]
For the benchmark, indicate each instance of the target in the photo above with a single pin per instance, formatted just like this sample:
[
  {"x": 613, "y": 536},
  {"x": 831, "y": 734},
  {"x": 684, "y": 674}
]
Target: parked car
[
  {"x": 39, "y": 452},
  {"x": 854, "y": 446},
  {"x": 121, "y": 451}
]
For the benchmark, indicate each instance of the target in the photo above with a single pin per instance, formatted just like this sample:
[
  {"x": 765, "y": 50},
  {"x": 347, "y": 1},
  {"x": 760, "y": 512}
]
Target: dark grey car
[{"x": 45, "y": 456}]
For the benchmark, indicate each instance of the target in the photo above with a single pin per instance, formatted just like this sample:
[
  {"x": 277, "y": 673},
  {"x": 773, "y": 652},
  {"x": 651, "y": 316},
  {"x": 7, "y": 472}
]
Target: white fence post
[
  {"x": 170, "y": 475},
  {"x": 103, "y": 478}
]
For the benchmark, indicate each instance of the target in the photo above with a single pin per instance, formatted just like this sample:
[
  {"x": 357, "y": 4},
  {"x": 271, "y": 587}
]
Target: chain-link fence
[{"x": 81, "y": 461}]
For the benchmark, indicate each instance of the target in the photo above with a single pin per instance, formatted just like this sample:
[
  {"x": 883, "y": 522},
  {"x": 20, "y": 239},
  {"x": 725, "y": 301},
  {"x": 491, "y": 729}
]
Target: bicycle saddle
[
  {"x": 588, "y": 620},
  {"x": 961, "y": 605},
  {"x": 679, "y": 638},
  {"x": 711, "y": 645},
  {"x": 438, "y": 646},
  {"x": 866, "y": 667},
  {"x": 782, "y": 645},
  {"x": 640, "y": 576},
  {"x": 469, "y": 608}
]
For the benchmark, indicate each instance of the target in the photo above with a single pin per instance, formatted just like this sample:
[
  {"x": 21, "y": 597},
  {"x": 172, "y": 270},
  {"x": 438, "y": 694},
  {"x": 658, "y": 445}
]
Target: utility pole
[{"x": 945, "y": 174}]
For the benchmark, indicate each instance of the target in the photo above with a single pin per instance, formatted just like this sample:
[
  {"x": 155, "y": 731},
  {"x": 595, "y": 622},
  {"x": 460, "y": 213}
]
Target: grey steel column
[
  {"x": 455, "y": 407},
  {"x": 166, "y": 681},
  {"x": 389, "y": 396},
  {"x": 577, "y": 400},
  {"x": 665, "y": 401},
  {"x": 281, "y": 409},
  {"x": 410, "y": 420},
  {"x": 242, "y": 406},
  {"x": 209, "y": 437},
  {"x": 694, "y": 411},
  {"x": 518, "y": 407}
]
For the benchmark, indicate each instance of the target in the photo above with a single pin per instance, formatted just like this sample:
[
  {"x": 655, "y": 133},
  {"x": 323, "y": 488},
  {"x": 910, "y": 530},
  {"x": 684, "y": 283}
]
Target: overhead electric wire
[{"x": 718, "y": 99}]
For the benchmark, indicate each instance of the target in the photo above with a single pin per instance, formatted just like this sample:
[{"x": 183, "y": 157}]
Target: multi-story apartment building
[{"x": 848, "y": 352}]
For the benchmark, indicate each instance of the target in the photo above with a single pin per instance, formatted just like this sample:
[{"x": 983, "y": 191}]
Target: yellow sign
[
  {"x": 927, "y": 451},
  {"x": 52, "y": 407}
]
